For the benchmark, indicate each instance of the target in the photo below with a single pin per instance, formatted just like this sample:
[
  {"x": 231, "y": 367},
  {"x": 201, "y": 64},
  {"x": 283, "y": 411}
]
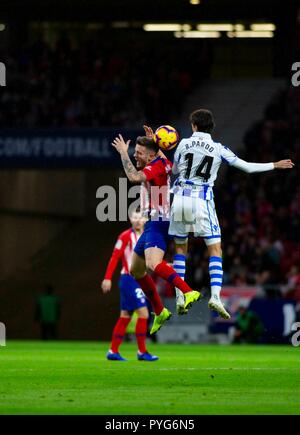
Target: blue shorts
[
  {"x": 155, "y": 235},
  {"x": 132, "y": 296}
]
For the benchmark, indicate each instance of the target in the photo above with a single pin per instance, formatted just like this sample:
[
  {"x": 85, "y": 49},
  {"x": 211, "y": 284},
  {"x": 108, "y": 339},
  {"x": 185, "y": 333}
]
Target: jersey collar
[
  {"x": 200, "y": 134},
  {"x": 155, "y": 160}
]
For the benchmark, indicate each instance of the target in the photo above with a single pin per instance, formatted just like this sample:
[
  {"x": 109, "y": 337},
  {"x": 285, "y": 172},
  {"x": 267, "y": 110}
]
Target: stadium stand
[{"x": 111, "y": 86}]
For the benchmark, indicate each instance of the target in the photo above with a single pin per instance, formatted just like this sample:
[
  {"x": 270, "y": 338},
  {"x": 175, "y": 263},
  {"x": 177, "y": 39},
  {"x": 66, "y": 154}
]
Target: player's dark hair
[
  {"x": 148, "y": 143},
  {"x": 203, "y": 120}
]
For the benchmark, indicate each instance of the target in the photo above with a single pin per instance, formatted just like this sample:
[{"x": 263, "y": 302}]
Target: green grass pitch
[{"x": 75, "y": 378}]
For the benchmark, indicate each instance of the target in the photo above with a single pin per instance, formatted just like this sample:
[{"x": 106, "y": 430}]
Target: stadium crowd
[
  {"x": 99, "y": 82},
  {"x": 260, "y": 214}
]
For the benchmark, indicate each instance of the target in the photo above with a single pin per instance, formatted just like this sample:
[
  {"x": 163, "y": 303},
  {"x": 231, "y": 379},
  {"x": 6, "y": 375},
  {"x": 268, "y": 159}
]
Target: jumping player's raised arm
[
  {"x": 229, "y": 157},
  {"x": 262, "y": 167},
  {"x": 132, "y": 173},
  {"x": 149, "y": 133}
]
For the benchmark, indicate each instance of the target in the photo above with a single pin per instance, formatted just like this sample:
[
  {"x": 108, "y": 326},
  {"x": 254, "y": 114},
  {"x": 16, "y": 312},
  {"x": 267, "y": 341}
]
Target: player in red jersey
[
  {"x": 132, "y": 297},
  {"x": 153, "y": 172}
]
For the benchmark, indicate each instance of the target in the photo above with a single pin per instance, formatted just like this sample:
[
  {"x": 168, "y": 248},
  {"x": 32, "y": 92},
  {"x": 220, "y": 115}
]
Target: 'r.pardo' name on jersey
[{"x": 198, "y": 143}]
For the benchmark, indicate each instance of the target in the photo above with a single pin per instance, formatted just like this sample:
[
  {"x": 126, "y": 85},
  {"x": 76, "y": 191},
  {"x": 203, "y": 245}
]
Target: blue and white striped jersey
[{"x": 198, "y": 158}]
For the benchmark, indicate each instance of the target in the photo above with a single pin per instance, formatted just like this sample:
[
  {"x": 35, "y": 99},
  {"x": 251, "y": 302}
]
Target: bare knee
[
  {"x": 181, "y": 246},
  {"x": 125, "y": 314},
  {"x": 151, "y": 265},
  {"x": 138, "y": 267},
  {"x": 136, "y": 273},
  {"x": 143, "y": 313},
  {"x": 153, "y": 257},
  {"x": 215, "y": 251},
  {"x": 133, "y": 271}
]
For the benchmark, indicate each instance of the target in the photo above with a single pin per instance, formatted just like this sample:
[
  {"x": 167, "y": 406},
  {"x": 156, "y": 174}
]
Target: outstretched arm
[
  {"x": 261, "y": 167},
  {"x": 122, "y": 147}
]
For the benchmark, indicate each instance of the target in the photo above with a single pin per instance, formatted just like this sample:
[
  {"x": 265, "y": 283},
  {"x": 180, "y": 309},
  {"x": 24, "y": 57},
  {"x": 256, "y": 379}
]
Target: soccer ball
[{"x": 166, "y": 137}]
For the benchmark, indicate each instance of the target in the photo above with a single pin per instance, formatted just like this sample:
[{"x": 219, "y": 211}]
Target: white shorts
[{"x": 192, "y": 214}]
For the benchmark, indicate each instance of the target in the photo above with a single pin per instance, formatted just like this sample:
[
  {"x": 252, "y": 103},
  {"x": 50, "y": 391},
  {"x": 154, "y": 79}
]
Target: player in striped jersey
[
  {"x": 197, "y": 160},
  {"x": 132, "y": 297}
]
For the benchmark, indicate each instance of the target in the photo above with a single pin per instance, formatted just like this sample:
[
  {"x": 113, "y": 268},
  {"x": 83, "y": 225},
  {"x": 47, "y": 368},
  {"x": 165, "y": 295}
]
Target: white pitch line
[
  {"x": 216, "y": 368},
  {"x": 229, "y": 368}
]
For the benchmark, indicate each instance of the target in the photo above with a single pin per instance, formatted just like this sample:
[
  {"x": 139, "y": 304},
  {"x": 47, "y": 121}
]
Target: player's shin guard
[
  {"x": 216, "y": 276},
  {"x": 149, "y": 288},
  {"x": 141, "y": 334},
  {"x": 118, "y": 333},
  {"x": 168, "y": 273}
]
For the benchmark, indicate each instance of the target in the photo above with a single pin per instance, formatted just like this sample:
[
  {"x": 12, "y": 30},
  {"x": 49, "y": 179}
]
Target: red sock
[
  {"x": 168, "y": 273},
  {"x": 118, "y": 333},
  {"x": 150, "y": 290},
  {"x": 141, "y": 334}
]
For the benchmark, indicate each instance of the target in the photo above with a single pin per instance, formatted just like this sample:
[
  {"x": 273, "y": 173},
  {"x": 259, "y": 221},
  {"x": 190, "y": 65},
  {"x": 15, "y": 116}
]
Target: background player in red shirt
[
  {"x": 153, "y": 172},
  {"x": 132, "y": 297}
]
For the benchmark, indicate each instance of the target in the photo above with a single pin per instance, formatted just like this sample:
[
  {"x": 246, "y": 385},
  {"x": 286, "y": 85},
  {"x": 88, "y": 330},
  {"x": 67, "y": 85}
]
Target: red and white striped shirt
[
  {"x": 155, "y": 192},
  {"x": 123, "y": 250}
]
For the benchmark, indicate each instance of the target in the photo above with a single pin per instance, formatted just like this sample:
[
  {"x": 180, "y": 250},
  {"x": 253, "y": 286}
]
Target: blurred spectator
[
  {"x": 97, "y": 81},
  {"x": 292, "y": 289},
  {"x": 248, "y": 327},
  {"x": 48, "y": 314}
]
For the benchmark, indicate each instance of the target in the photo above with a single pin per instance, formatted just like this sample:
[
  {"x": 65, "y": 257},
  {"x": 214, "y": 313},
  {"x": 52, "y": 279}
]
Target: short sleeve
[
  {"x": 122, "y": 241},
  {"x": 227, "y": 155},
  {"x": 119, "y": 244}
]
